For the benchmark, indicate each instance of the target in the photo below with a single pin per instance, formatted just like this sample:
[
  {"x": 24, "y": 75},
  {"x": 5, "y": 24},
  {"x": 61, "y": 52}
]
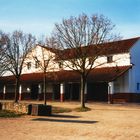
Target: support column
[
  {"x": 20, "y": 92},
  {"x": 62, "y": 90},
  {"x": 110, "y": 92},
  {"x": 4, "y": 92},
  {"x": 39, "y": 91}
]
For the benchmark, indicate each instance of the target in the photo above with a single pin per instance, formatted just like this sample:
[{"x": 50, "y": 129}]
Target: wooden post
[
  {"x": 62, "y": 90},
  {"x": 4, "y": 92},
  {"x": 110, "y": 92},
  {"x": 39, "y": 91},
  {"x": 20, "y": 92}
]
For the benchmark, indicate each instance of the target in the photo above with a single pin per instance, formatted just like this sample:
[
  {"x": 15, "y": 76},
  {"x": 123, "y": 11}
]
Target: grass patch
[
  {"x": 64, "y": 110},
  {"x": 60, "y": 110},
  {"x": 82, "y": 109},
  {"x": 9, "y": 114}
]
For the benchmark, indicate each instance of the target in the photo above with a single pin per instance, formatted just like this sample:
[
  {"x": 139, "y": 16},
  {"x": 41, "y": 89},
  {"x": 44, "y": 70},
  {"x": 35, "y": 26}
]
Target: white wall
[
  {"x": 135, "y": 72},
  {"x": 122, "y": 59},
  {"x": 118, "y": 59},
  {"x": 121, "y": 84},
  {"x": 41, "y": 54}
]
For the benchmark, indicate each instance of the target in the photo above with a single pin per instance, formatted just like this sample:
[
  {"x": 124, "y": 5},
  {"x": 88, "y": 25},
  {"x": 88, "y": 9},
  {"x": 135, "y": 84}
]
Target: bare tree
[
  {"x": 81, "y": 40},
  {"x": 45, "y": 63},
  {"x": 18, "y": 46},
  {"x": 3, "y": 62}
]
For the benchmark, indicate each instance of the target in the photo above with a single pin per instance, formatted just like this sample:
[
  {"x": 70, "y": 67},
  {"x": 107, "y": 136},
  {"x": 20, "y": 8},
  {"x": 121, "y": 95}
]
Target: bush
[
  {"x": 9, "y": 114},
  {"x": 82, "y": 109},
  {"x": 60, "y": 110}
]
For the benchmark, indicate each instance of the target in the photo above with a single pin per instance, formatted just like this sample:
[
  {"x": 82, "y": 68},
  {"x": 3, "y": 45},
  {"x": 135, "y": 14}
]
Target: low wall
[
  {"x": 127, "y": 97},
  {"x": 18, "y": 107}
]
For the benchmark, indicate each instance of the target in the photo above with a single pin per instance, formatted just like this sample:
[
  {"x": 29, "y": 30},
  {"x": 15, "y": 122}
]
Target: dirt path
[{"x": 103, "y": 122}]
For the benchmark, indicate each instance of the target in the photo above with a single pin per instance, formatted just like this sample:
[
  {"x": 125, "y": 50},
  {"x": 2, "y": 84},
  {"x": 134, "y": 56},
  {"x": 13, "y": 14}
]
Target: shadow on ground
[
  {"x": 64, "y": 116},
  {"x": 60, "y": 119},
  {"x": 65, "y": 121}
]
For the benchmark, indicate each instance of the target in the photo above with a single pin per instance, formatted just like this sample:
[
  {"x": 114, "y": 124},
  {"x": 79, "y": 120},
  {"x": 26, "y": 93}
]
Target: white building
[{"x": 115, "y": 78}]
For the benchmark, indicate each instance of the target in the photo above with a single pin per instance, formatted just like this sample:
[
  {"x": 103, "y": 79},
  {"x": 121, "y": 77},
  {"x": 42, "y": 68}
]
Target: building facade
[{"x": 115, "y": 76}]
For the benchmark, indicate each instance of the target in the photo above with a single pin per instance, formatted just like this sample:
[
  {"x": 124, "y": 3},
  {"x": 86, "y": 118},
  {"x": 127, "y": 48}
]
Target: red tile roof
[
  {"x": 120, "y": 46},
  {"x": 108, "y": 74},
  {"x": 97, "y": 75},
  {"x": 53, "y": 50}
]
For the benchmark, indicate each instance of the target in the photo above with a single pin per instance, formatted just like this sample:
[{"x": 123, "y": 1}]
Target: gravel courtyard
[{"x": 103, "y": 122}]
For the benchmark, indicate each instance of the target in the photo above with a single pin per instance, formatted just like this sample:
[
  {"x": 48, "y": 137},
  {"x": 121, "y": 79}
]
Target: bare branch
[
  {"x": 81, "y": 38},
  {"x": 17, "y": 46}
]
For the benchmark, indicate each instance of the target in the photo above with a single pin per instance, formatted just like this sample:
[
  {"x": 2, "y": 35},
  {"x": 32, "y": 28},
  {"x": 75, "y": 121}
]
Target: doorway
[
  {"x": 34, "y": 91},
  {"x": 97, "y": 91}
]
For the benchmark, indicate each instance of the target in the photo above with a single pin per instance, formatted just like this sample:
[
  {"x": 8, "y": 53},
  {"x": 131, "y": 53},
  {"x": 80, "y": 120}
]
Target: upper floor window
[
  {"x": 138, "y": 86},
  {"x": 90, "y": 60},
  {"x": 60, "y": 64},
  {"x": 37, "y": 62},
  {"x": 109, "y": 59},
  {"x": 28, "y": 65},
  {"x": 73, "y": 65},
  {"x": 46, "y": 63}
]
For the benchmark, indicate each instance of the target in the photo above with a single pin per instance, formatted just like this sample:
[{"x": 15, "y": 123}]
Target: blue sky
[{"x": 39, "y": 16}]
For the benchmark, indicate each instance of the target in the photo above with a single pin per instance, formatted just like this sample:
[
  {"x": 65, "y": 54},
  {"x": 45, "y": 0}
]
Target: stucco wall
[
  {"x": 118, "y": 59},
  {"x": 44, "y": 54},
  {"x": 41, "y": 54},
  {"x": 135, "y": 72},
  {"x": 121, "y": 85},
  {"x": 122, "y": 59}
]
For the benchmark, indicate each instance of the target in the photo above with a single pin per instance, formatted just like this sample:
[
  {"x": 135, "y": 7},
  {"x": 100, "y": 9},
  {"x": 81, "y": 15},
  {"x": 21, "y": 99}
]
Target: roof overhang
[{"x": 105, "y": 74}]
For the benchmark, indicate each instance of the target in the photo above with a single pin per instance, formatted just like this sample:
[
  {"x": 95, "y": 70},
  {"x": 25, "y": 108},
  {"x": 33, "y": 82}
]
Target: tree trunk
[
  {"x": 82, "y": 90},
  {"x": 17, "y": 90},
  {"x": 44, "y": 89}
]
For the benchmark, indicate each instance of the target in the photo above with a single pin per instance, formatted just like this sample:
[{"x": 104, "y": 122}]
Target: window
[
  {"x": 60, "y": 64},
  {"x": 138, "y": 86},
  {"x": 37, "y": 62},
  {"x": 90, "y": 59},
  {"x": 28, "y": 65},
  {"x": 109, "y": 59},
  {"x": 46, "y": 63},
  {"x": 73, "y": 65}
]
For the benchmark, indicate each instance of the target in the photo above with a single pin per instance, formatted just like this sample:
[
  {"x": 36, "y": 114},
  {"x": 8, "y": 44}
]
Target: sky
[{"x": 39, "y": 16}]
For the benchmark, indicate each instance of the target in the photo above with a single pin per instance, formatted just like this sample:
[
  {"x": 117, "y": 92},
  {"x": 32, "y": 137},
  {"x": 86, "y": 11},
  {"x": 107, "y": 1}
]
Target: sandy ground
[{"x": 103, "y": 122}]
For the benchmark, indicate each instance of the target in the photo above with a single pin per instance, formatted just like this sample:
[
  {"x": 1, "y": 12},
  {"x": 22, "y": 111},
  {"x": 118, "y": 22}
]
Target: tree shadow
[
  {"x": 64, "y": 120},
  {"x": 64, "y": 116}
]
